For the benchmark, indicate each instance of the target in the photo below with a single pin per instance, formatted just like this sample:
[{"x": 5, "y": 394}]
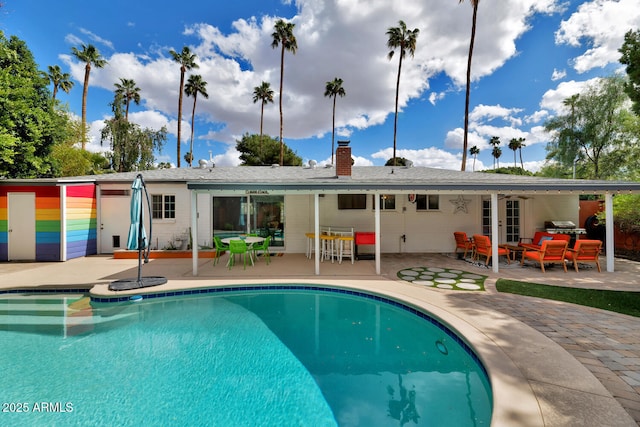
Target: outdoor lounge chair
[
  {"x": 551, "y": 251},
  {"x": 463, "y": 243},
  {"x": 585, "y": 251},
  {"x": 483, "y": 247}
]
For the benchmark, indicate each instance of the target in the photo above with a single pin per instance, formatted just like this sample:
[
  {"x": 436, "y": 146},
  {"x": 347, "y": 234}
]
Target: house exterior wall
[
  {"x": 423, "y": 231},
  {"x": 552, "y": 207},
  {"x": 47, "y": 216}
]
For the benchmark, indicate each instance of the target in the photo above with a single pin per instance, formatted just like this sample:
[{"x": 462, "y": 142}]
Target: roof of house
[{"x": 397, "y": 179}]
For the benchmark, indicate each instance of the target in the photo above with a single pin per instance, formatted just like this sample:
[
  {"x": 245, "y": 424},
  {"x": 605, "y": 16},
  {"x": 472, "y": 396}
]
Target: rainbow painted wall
[
  {"x": 66, "y": 217},
  {"x": 81, "y": 221}
]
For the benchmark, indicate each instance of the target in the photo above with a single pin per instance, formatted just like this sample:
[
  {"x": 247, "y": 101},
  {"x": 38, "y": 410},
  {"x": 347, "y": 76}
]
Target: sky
[{"x": 529, "y": 56}]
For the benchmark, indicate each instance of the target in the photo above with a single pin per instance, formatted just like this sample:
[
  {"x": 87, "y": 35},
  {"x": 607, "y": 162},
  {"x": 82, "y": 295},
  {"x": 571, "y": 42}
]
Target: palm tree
[
  {"x": 59, "y": 80},
  {"x": 187, "y": 61},
  {"x": 334, "y": 88},
  {"x": 283, "y": 36},
  {"x": 474, "y": 151},
  {"x": 127, "y": 91},
  {"x": 520, "y": 147},
  {"x": 405, "y": 41},
  {"x": 264, "y": 94},
  {"x": 496, "y": 152},
  {"x": 195, "y": 85},
  {"x": 514, "y": 145},
  {"x": 474, "y": 4},
  {"x": 90, "y": 56}
]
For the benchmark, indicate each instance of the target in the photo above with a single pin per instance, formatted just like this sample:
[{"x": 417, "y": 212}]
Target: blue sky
[{"x": 529, "y": 56}]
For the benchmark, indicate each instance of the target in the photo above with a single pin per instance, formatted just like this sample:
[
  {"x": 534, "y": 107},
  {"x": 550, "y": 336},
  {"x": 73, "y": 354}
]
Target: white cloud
[
  {"x": 558, "y": 74},
  {"x": 601, "y": 24},
  {"x": 553, "y": 99},
  {"x": 429, "y": 157},
  {"x": 241, "y": 59}
]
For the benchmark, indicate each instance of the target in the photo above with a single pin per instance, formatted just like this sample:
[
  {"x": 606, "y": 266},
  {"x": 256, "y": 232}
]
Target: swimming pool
[{"x": 295, "y": 356}]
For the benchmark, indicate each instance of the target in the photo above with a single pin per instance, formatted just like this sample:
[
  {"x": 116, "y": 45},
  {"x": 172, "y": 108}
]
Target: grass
[{"x": 617, "y": 301}]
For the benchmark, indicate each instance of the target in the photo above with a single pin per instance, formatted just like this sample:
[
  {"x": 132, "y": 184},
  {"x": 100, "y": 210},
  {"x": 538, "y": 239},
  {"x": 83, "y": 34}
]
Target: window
[
  {"x": 163, "y": 206},
  {"x": 352, "y": 201},
  {"x": 387, "y": 202},
  {"x": 427, "y": 202}
]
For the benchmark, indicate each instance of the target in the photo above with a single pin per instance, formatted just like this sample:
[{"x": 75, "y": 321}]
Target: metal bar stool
[
  {"x": 327, "y": 246},
  {"x": 346, "y": 248},
  {"x": 311, "y": 246}
]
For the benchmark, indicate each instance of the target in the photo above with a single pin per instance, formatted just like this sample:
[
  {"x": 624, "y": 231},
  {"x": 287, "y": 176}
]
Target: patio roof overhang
[{"x": 573, "y": 187}]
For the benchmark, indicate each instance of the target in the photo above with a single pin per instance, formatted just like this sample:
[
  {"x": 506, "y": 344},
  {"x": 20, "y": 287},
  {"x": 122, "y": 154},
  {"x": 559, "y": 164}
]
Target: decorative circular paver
[
  {"x": 409, "y": 273},
  {"x": 443, "y": 278}
]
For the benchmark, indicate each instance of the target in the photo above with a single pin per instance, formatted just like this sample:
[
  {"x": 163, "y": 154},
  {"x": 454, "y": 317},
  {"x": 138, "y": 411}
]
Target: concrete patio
[{"x": 551, "y": 363}]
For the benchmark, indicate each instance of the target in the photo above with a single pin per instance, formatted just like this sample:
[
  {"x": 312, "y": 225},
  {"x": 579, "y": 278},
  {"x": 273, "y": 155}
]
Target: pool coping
[{"x": 526, "y": 384}]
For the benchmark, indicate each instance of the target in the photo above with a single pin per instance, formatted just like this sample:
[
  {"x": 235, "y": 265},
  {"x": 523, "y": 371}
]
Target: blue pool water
[{"x": 268, "y": 358}]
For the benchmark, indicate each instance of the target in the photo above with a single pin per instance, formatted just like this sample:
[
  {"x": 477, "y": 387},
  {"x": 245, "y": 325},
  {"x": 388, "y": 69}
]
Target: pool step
[{"x": 50, "y": 314}]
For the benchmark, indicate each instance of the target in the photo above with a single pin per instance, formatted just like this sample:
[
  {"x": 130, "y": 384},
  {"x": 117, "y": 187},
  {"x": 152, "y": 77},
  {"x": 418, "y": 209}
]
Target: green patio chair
[
  {"x": 264, "y": 247},
  {"x": 220, "y": 248},
  {"x": 238, "y": 247}
]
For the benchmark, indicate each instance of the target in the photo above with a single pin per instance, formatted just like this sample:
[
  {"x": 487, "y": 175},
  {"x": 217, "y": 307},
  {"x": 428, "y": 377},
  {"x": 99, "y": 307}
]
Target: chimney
[{"x": 343, "y": 160}]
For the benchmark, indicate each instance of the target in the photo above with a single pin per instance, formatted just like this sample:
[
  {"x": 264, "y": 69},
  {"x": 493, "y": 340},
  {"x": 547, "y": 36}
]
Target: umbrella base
[{"x": 143, "y": 282}]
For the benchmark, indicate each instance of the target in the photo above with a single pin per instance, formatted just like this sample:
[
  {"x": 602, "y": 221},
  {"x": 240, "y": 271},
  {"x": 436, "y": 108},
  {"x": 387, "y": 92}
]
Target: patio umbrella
[
  {"x": 137, "y": 234},
  {"x": 137, "y": 239}
]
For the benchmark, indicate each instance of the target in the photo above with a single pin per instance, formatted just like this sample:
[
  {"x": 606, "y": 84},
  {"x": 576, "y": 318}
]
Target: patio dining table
[{"x": 249, "y": 240}]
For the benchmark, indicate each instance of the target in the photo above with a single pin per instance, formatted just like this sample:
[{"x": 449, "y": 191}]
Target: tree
[
  {"x": 474, "y": 151},
  {"x": 397, "y": 161},
  {"x": 187, "y": 61},
  {"x": 195, "y": 85},
  {"x": 630, "y": 51},
  {"x": 474, "y": 4},
  {"x": 593, "y": 132},
  {"x": 516, "y": 144},
  {"x": 127, "y": 91},
  {"x": 264, "y": 94},
  {"x": 405, "y": 41},
  {"x": 59, "y": 80},
  {"x": 333, "y": 89},
  {"x": 496, "y": 152},
  {"x": 283, "y": 36},
  {"x": 90, "y": 56},
  {"x": 252, "y": 155},
  {"x": 132, "y": 146},
  {"x": 29, "y": 124}
]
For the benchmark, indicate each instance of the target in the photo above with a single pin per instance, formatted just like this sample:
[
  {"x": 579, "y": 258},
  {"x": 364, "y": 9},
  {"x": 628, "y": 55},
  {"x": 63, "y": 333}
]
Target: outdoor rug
[{"x": 443, "y": 278}]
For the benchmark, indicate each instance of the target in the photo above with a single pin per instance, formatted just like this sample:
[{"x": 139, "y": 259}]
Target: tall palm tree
[
  {"x": 90, "y": 56},
  {"x": 187, "y": 61},
  {"x": 127, "y": 91},
  {"x": 520, "y": 147},
  {"x": 334, "y": 88},
  {"x": 59, "y": 80},
  {"x": 496, "y": 152},
  {"x": 405, "y": 41},
  {"x": 474, "y": 4},
  {"x": 474, "y": 151},
  {"x": 514, "y": 145},
  {"x": 264, "y": 94},
  {"x": 283, "y": 36},
  {"x": 195, "y": 85}
]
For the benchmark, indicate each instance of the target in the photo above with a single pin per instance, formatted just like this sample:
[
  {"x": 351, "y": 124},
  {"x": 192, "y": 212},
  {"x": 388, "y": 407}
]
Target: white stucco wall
[{"x": 430, "y": 231}]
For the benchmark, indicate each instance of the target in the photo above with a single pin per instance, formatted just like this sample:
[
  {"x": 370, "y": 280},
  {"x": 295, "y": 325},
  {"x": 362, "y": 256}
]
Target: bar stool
[
  {"x": 311, "y": 245},
  {"x": 327, "y": 246},
  {"x": 348, "y": 242}
]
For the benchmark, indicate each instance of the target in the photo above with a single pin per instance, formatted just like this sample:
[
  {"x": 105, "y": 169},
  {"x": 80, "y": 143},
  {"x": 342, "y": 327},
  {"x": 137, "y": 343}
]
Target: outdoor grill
[{"x": 564, "y": 227}]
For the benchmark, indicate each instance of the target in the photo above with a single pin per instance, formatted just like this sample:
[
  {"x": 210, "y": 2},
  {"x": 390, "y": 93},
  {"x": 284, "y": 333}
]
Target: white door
[
  {"x": 21, "y": 222},
  {"x": 509, "y": 219},
  {"x": 114, "y": 226}
]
